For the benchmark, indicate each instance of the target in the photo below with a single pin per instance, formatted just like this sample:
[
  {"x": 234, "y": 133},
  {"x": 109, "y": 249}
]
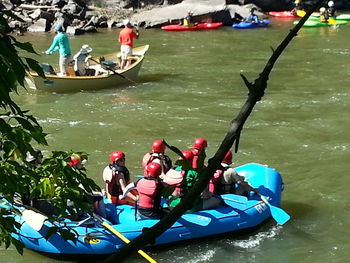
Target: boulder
[
  {"x": 203, "y": 9},
  {"x": 41, "y": 25},
  {"x": 75, "y": 31}
]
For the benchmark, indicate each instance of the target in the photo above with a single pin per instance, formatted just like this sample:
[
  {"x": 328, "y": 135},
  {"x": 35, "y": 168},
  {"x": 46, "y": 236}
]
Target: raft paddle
[
  {"x": 115, "y": 72},
  {"x": 123, "y": 238},
  {"x": 280, "y": 216}
]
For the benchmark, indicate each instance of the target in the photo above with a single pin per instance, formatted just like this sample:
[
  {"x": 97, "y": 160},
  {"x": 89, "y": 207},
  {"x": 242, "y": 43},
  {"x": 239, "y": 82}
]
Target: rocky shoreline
[{"x": 82, "y": 16}]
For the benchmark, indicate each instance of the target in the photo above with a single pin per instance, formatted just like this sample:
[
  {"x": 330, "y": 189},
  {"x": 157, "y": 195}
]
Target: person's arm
[
  {"x": 127, "y": 189},
  {"x": 54, "y": 46},
  {"x": 122, "y": 183}
]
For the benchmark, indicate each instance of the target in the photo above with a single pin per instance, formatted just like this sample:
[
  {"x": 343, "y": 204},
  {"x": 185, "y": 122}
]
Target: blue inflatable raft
[
  {"x": 239, "y": 212},
  {"x": 246, "y": 25}
]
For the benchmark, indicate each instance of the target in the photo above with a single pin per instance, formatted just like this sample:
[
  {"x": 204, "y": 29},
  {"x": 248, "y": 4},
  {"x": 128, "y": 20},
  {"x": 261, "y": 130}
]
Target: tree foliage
[{"x": 54, "y": 179}]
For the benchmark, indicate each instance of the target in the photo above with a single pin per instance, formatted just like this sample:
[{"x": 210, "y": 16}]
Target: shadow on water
[{"x": 298, "y": 210}]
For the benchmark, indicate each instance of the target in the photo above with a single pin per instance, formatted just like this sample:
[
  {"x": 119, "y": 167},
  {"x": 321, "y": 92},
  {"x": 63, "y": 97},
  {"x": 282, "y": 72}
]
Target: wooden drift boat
[{"x": 109, "y": 75}]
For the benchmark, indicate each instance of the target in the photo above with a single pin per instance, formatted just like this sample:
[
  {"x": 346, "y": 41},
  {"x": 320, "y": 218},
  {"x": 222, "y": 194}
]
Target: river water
[{"x": 190, "y": 87}]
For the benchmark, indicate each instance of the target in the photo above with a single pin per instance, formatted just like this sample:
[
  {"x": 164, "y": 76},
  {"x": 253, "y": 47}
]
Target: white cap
[
  {"x": 85, "y": 49},
  {"x": 126, "y": 22}
]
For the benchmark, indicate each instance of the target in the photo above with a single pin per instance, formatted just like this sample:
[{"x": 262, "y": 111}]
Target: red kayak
[
  {"x": 283, "y": 14},
  {"x": 202, "y": 26}
]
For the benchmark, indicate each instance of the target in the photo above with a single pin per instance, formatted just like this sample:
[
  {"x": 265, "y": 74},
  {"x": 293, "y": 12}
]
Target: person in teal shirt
[{"x": 61, "y": 43}]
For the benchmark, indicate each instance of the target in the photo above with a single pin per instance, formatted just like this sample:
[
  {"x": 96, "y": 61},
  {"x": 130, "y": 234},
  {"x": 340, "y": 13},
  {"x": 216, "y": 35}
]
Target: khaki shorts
[{"x": 126, "y": 51}]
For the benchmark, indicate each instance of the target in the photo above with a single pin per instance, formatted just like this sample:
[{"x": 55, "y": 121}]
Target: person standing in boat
[
  {"x": 158, "y": 156},
  {"x": 150, "y": 189},
  {"x": 198, "y": 151},
  {"x": 117, "y": 177},
  {"x": 61, "y": 43},
  {"x": 126, "y": 40},
  {"x": 81, "y": 62}
]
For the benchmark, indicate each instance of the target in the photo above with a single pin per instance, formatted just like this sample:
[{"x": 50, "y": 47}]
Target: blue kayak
[
  {"x": 245, "y": 25},
  {"x": 93, "y": 238}
]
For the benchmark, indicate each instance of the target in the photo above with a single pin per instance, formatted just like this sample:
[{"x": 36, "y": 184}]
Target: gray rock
[
  {"x": 41, "y": 25},
  {"x": 75, "y": 31}
]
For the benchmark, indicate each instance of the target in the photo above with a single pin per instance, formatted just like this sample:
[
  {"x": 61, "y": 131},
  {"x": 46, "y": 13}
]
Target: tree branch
[{"x": 256, "y": 92}]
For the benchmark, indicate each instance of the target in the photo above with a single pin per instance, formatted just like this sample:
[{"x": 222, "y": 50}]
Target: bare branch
[{"x": 256, "y": 92}]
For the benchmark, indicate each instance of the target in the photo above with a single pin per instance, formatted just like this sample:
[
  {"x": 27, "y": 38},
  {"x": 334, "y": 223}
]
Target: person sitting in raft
[
  {"x": 150, "y": 191},
  {"x": 81, "y": 62},
  {"x": 117, "y": 177},
  {"x": 324, "y": 15},
  {"x": 227, "y": 181},
  {"x": 297, "y": 6},
  {"x": 188, "y": 20},
  {"x": 252, "y": 18},
  {"x": 158, "y": 156},
  {"x": 190, "y": 177},
  {"x": 331, "y": 9},
  {"x": 198, "y": 151},
  {"x": 78, "y": 161}
]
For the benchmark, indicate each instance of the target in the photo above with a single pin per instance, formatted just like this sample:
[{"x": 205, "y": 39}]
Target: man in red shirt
[{"x": 126, "y": 40}]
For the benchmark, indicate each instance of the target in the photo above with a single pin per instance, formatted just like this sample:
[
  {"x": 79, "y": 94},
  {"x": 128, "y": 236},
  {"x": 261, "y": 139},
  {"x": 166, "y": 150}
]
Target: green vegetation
[{"x": 54, "y": 179}]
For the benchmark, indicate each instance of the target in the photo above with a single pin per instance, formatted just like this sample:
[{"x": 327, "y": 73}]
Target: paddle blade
[
  {"x": 301, "y": 13},
  {"x": 280, "y": 216}
]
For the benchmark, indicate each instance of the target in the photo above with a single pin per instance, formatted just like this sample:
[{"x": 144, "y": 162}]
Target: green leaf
[
  {"x": 51, "y": 231},
  {"x": 34, "y": 65},
  {"x": 18, "y": 245}
]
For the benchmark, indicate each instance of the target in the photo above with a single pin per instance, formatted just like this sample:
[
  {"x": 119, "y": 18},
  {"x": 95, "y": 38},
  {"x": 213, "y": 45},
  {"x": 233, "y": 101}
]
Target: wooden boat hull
[
  {"x": 59, "y": 84},
  {"x": 93, "y": 238}
]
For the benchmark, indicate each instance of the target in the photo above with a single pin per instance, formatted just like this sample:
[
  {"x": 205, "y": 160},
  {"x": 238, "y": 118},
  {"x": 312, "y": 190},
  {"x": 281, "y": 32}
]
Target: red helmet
[
  {"x": 115, "y": 156},
  {"x": 152, "y": 170},
  {"x": 158, "y": 146},
  {"x": 200, "y": 144},
  {"x": 76, "y": 159},
  {"x": 228, "y": 158},
  {"x": 188, "y": 155}
]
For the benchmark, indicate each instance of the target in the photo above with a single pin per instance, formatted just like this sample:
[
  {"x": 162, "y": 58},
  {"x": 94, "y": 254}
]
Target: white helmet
[
  {"x": 330, "y": 3},
  {"x": 322, "y": 9}
]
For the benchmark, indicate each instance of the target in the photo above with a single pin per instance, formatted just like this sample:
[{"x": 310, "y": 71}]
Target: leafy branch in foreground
[
  {"x": 256, "y": 92},
  {"x": 53, "y": 179}
]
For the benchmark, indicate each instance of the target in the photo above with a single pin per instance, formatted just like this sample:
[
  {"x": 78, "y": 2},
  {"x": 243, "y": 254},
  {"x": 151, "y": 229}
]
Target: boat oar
[
  {"x": 280, "y": 216},
  {"x": 123, "y": 238},
  {"x": 115, "y": 72}
]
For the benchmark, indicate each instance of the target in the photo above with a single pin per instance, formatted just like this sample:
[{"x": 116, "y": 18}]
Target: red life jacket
[
  {"x": 148, "y": 189},
  {"x": 215, "y": 181}
]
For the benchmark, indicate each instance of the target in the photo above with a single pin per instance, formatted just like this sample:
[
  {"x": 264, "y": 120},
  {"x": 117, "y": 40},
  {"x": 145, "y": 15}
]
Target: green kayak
[{"x": 313, "y": 23}]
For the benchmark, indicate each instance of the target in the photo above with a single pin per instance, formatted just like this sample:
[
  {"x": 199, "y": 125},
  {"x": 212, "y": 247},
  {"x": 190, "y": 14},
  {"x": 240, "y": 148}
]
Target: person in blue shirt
[
  {"x": 252, "y": 18},
  {"x": 61, "y": 43}
]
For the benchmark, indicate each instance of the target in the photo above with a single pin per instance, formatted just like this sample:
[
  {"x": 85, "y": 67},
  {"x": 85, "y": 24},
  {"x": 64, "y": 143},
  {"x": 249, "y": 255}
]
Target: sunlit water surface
[{"x": 190, "y": 86}]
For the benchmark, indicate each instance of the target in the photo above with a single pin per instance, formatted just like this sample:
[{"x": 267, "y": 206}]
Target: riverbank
[{"x": 79, "y": 17}]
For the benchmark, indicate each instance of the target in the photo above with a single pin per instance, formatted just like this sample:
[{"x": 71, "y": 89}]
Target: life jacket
[
  {"x": 148, "y": 193},
  {"x": 165, "y": 163},
  {"x": 215, "y": 181},
  {"x": 174, "y": 177},
  {"x": 116, "y": 189}
]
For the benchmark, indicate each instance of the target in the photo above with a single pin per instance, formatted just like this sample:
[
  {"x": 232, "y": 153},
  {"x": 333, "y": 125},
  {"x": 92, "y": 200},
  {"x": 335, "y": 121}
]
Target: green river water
[{"x": 190, "y": 87}]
